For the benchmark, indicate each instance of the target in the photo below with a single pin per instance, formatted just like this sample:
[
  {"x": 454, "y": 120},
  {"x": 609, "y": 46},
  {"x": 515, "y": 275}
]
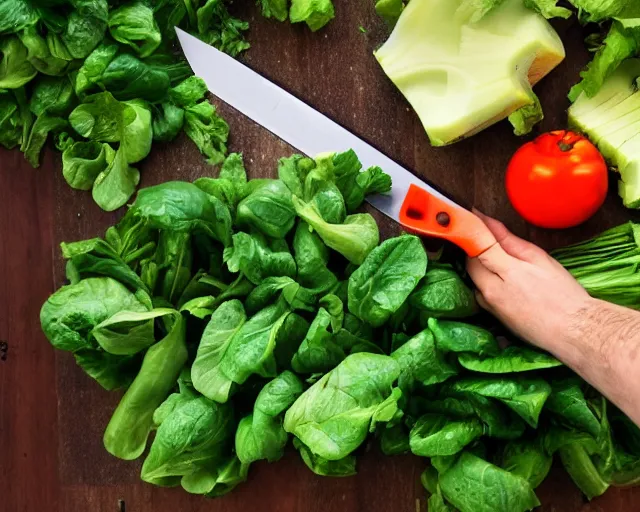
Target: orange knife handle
[{"x": 428, "y": 215}]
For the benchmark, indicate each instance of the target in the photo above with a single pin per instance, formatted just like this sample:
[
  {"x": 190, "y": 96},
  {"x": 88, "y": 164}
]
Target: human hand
[
  {"x": 537, "y": 298},
  {"x": 527, "y": 290}
]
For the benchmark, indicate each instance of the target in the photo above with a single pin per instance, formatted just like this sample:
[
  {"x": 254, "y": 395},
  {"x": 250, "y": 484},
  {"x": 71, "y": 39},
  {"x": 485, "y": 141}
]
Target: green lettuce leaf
[
  {"x": 278, "y": 9},
  {"x": 620, "y": 44},
  {"x": 218, "y": 28},
  {"x": 207, "y": 130},
  {"x": 525, "y": 118},
  {"x": 134, "y": 25},
  {"x": 15, "y": 68},
  {"x": 17, "y": 15},
  {"x": 114, "y": 186},
  {"x": 315, "y": 13},
  {"x": 10, "y": 121},
  {"x": 85, "y": 27}
]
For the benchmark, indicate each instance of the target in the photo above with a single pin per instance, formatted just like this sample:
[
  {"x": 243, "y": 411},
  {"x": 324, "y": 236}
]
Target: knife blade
[{"x": 412, "y": 202}]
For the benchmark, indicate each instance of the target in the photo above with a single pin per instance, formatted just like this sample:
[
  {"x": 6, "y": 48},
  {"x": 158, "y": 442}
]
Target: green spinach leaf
[
  {"x": 188, "y": 92},
  {"x": 43, "y": 125},
  {"x": 223, "y": 325},
  {"x": 82, "y": 163},
  {"x": 386, "y": 278},
  {"x": 261, "y": 434},
  {"x": 437, "y": 435},
  {"x": 181, "y": 206},
  {"x": 293, "y": 172},
  {"x": 191, "y": 438},
  {"x": 234, "y": 354},
  {"x": 127, "y": 332},
  {"x": 355, "y": 238},
  {"x": 70, "y": 315},
  {"x": 17, "y": 15},
  {"x": 167, "y": 121},
  {"x": 225, "y": 478},
  {"x": 271, "y": 288},
  {"x": 256, "y": 260},
  {"x": 421, "y": 363},
  {"x": 115, "y": 185},
  {"x": 568, "y": 405},
  {"x": 15, "y": 68},
  {"x": 444, "y": 295},
  {"x": 474, "y": 485},
  {"x": 10, "y": 121},
  {"x": 43, "y": 54},
  {"x": 138, "y": 134},
  {"x": 312, "y": 257},
  {"x": 102, "y": 118},
  {"x": 85, "y": 27},
  {"x": 268, "y": 209},
  {"x": 334, "y": 415},
  {"x": 324, "y": 467},
  {"x": 526, "y": 397},
  {"x": 527, "y": 459},
  {"x": 460, "y": 337},
  {"x": 218, "y": 28},
  {"x": 129, "y": 78},
  {"x": 510, "y": 360},
  {"x": 394, "y": 440},
  {"x": 318, "y": 352},
  {"x": 577, "y": 461},
  {"x": 111, "y": 372},
  {"x": 126, "y": 434},
  {"x": 95, "y": 257},
  {"x": 436, "y": 502},
  {"x": 134, "y": 25},
  {"x": 278, "y": 9},
  {"x": 231, "y": 185},
  {"x": 92, "y": 69},
  {"x": 356, "y": 185}
]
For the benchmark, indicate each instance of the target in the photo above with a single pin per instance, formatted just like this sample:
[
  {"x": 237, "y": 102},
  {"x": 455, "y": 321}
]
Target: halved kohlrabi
[
  {"x": 462, "y": 77},
  {"x": 611, "y": 119}
]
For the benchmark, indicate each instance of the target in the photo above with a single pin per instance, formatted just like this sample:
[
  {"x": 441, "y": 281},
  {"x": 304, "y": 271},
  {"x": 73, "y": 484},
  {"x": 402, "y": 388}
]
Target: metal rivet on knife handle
[{"x": 443, "y": 219}]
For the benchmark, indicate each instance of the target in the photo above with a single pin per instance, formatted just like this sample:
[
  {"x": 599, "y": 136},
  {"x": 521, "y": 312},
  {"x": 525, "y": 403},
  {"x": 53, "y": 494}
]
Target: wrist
[
  {"x": 602, "y": 348},
  {"x": 577, "y": 342},
  {"x": 600, "y": 341}
]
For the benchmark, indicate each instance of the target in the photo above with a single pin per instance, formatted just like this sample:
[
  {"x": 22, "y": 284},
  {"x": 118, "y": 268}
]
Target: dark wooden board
[{"x": 52, "y": 416}]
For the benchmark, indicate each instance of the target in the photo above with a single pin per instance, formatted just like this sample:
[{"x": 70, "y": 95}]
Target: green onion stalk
[{"x": 607, "y": 266}]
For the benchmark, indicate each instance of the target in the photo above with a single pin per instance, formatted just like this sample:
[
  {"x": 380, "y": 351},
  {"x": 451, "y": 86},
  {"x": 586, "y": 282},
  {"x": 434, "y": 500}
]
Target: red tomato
[{"x": 557, "y": 181}]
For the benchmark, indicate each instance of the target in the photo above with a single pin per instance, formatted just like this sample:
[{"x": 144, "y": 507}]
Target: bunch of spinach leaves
[
  {"x": 104, "y": 79},
  {"x": 239, "y": 314}
]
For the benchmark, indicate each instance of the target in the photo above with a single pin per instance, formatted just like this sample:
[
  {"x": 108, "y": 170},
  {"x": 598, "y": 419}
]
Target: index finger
[{"x": 497, "y": 260}]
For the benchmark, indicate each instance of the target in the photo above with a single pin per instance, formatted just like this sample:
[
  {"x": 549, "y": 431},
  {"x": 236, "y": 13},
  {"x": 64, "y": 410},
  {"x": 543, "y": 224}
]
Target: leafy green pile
[
  {"x": 104, "y": 78},
  {"x": 239, "y": 312}
]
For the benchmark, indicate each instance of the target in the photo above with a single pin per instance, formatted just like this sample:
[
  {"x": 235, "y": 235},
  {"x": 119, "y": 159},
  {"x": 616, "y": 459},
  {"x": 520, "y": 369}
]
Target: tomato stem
[{"x": 568, "y": 141}]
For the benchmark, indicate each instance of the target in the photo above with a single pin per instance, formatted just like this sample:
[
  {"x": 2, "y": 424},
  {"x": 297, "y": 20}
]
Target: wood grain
[{"x": 52, "y": 416}]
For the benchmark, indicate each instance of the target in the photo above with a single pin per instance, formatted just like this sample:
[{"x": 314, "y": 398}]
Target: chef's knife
[{"x": 416, "y": 205}]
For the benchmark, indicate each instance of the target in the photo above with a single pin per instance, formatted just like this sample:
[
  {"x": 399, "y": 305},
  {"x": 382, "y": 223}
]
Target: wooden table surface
[{"x": 52, "y": 416}]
